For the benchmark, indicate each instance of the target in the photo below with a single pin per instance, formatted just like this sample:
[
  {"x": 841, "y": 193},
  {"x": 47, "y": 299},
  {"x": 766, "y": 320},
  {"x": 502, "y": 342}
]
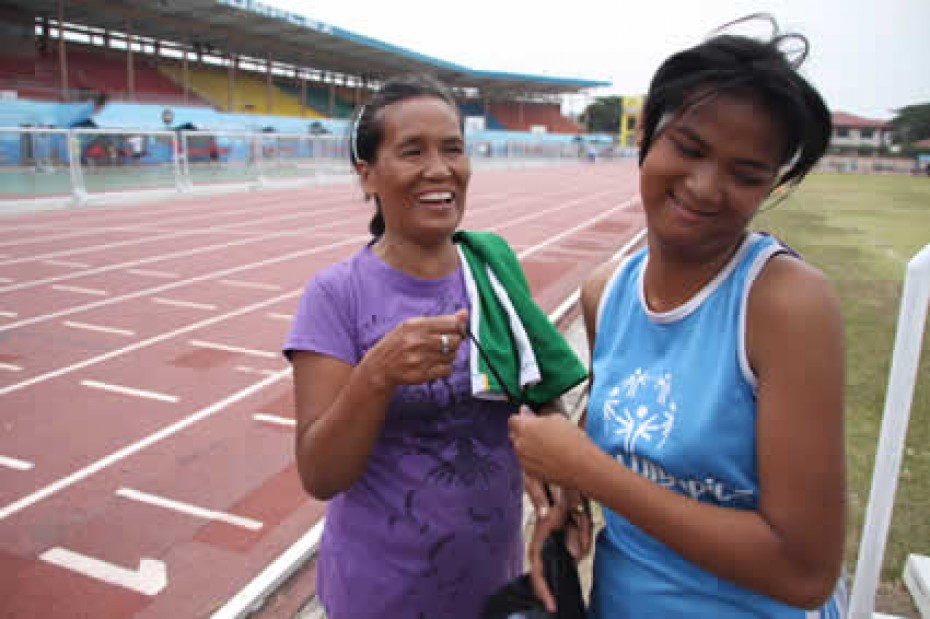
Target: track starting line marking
[
  {"x": 274, "y": 419},
  {"x": 98, "y": 328},
  {"x": 91, "y": 291},
  {"x": 228, "y": 348},
  {"x": 139, "y": 393},
  {"x": 191, "y": 510},
  {"x": 14, "y": 463}
]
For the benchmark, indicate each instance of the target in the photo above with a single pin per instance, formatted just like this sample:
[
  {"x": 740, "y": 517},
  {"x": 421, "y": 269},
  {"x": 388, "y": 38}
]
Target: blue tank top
[{"x": 674, "y": 401}]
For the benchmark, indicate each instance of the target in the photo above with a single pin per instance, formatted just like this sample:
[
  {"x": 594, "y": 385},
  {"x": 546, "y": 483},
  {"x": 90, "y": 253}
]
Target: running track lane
[{"x": 146, "y": 446}]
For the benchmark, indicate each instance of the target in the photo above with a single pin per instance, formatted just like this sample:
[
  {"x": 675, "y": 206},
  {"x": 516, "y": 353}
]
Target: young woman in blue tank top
[{"x": 714, "y": 434}]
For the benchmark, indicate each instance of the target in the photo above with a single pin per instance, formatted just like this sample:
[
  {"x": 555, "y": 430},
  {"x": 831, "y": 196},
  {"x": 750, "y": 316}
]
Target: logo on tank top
[{"x": 640, "y": 410}]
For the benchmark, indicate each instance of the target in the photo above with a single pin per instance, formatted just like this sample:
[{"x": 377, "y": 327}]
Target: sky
[{"x": 867, "y": 57}]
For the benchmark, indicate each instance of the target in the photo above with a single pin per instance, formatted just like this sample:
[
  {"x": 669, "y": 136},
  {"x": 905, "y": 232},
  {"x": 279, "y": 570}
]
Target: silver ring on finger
[{"x": 444, "y": 343}]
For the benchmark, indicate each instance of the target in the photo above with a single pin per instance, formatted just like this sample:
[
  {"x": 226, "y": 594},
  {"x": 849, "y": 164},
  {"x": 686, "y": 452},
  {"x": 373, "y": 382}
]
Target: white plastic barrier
[{"x": 903, "y": 374}]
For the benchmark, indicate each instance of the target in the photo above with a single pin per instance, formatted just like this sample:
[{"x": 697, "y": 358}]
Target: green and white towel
[{"x": 524, "y": 347}]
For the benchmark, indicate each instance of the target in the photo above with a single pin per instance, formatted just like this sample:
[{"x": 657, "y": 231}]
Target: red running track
[{"x": 146, "y": 457}]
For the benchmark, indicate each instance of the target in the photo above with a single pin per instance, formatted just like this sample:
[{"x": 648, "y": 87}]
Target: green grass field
[{"x": 861, "y": 231}]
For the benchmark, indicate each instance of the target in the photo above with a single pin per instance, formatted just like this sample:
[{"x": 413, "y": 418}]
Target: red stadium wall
[{"x": 522, "y": 116}]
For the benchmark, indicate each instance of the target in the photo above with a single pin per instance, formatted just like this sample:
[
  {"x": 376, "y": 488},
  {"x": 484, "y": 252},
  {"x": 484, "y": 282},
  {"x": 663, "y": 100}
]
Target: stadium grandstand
[
  {"x": 234, "y": 57},
  {"x": 168, "y": 84}
]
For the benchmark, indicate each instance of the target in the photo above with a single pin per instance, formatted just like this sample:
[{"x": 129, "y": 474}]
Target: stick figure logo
[{"x": 641, "y": 408}]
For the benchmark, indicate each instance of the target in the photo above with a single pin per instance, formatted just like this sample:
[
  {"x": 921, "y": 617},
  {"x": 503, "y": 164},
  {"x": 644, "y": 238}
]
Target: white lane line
[
  {"x": 150, "y": 578},
  {"x": 129, "y": 450},
  {"x": 274, "y": 419},
  {"x": 235, "y": 283},
  {"x": 191, "y": 510},
  {"x": 184, "y": 254},
  {"x": 55, "y": 255},
  {"x": 97, "y": 328},
  {"x": 6, "y": 314},
  {"x": 145, "y": 240},
  {"x": 179, "y": 303},
  {"x": 66, "y": 263},
  {"x": 584, "y": 224},
  {"x": 353, "y": 240},
  {"x": 206, "y": 322},
  {"x": 247, "y": 370},
  {"x": 14, "y": 463},
  {"x": 139, "y": 393},
  {"x": 80, "y": 290},
  {"x": 153, "y": 273},
  {"x": 6, "y": 280},
  {"x": 10, "y": 367},
  {"x": 227, "y": 348},
  {"x": 277, "y": 316}
]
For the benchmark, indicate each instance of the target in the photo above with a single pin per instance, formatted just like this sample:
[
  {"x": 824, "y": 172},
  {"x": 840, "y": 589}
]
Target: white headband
[{"x": 354, "y": 140}]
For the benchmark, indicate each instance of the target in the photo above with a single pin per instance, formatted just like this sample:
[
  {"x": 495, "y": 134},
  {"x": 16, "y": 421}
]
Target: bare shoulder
[
  {"x": 593, "y": 287},
  {"x": 789, "y": 288},
  {"x": 792, "y": 311},
  {"x": 591, "y": 292}
]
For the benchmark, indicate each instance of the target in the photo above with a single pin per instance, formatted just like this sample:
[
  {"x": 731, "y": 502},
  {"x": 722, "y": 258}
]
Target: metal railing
[{"x": 82, "y": 163}]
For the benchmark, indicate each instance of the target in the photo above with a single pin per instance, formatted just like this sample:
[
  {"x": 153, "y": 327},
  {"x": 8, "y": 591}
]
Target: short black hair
[
  {"x": 764, "y": 70},
  {"x": 368, "y": 129}
]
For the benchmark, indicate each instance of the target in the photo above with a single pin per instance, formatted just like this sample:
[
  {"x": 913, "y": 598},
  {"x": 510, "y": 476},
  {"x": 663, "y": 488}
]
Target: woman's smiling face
[
  {"x": 707, "y": 173},
  {"x": 421, "y": 172}
]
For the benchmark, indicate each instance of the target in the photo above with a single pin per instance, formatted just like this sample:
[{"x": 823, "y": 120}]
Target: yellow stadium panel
[
  {"x": 629, "y": 118},
  {"x": 249, "y": 96}
]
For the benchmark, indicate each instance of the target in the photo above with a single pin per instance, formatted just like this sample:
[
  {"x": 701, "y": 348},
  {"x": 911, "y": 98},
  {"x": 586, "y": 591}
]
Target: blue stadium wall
[{"x": 146, "y": 117}]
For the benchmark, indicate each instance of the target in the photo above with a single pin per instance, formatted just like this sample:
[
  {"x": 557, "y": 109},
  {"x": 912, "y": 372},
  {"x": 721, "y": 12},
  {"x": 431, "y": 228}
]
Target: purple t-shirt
[{"x": 433, "y": 525}]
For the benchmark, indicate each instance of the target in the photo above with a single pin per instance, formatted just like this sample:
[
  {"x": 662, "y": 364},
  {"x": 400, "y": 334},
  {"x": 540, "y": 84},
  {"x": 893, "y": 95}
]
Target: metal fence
[{"x": 82, "y": 163}]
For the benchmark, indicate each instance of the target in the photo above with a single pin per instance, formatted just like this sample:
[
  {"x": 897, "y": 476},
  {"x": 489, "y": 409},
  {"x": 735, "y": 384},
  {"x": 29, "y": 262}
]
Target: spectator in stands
[
  {"x": 714, "y": 436},
  {"x": 425, "y": 490}
]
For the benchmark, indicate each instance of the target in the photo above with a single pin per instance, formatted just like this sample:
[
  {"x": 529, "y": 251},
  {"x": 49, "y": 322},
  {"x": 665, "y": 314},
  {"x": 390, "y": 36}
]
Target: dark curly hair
[{"x": 766, "y": 71}]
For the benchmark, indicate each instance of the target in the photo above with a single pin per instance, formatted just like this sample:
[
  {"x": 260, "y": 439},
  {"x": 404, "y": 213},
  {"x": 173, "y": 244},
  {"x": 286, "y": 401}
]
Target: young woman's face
[
  {"x": 421, "y": 171},
  {"x": 707, "y": 173}
]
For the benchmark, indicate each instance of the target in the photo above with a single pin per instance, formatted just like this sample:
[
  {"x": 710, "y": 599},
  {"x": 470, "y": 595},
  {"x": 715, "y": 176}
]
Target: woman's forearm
[{"x": 333, "y": 451}]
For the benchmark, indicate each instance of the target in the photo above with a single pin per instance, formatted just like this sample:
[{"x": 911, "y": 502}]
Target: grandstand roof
[{"x": 253, "y": 29}]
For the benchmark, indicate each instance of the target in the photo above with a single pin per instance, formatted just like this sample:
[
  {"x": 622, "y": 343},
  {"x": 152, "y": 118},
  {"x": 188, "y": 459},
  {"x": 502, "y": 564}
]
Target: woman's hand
[
  {"x": 567, "y": 511},
  {"x": 542, "y": 444},
  {"x": 579, "y": 527},
  {"x": 418, "y": 350}
]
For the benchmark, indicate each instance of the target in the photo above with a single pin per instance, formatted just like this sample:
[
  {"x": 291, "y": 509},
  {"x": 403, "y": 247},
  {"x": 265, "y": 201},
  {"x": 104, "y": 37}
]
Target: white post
[
  {"x": 185, "y": 161},
  {"x": 78, "y": 190},
  {"x": 178, "y": 150},
  {"x": 901, "y": 379}
]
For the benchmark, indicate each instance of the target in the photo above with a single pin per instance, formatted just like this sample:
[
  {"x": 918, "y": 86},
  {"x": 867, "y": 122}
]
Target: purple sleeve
[{"x": 322, "y": 322}]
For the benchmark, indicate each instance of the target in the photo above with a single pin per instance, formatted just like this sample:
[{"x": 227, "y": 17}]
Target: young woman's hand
[{"x": 549, "y": 447}]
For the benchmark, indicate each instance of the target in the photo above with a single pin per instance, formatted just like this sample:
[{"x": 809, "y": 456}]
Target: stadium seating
[
  {"x": 91, "y": 72},
  {"x": 522, "y": 116},
  {"x": 477, "y": 108},
  {"x": 250, "y": 94},
  {"x": 318, "y": 99},
  {"x": 30, "y": 79}
]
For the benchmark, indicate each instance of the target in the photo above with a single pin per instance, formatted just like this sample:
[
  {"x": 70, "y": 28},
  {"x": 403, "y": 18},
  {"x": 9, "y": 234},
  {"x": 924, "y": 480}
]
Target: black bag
[{"x": 516, "y": 599}]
